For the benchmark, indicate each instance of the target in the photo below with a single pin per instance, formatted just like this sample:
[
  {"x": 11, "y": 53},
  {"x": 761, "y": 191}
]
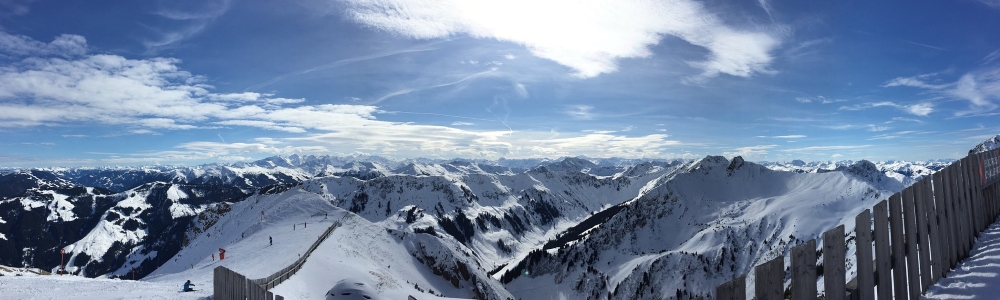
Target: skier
[
  {"x": 222, "y": 254},
  {"x": 188, "y": 285},
  {"x": 270, "y": 241},
  {"x": 213, "y": 256}
]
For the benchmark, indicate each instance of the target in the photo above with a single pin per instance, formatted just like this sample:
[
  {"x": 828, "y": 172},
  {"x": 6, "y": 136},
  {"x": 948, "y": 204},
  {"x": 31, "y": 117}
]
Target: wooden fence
[
  {"x": 228, "y": 284},
  {"x": 919, "y": 235}
]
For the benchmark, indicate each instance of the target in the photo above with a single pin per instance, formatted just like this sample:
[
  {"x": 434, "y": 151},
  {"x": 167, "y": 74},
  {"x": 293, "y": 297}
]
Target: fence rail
[
  {"x": 919, "y": 235},
  {"x": 229, "y": 284}
]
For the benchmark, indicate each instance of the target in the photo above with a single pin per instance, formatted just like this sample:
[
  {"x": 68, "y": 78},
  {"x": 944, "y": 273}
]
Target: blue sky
[{"x": 188, "y": 82}]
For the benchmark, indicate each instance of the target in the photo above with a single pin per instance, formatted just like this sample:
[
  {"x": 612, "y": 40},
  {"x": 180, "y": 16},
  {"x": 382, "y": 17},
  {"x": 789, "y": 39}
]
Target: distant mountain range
[{"x": 572, "y": 227}]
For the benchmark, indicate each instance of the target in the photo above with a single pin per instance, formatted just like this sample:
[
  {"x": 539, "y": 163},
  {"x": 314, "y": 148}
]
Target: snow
[
  {"x": 99, "y": 240},
  {"x": 357, "y": 249},
  {"x": 60, "y": 208},
  {"x": 74, "y": 287},
  {"x": 976, "y": 277},
  {"x": 174, "y": 193}
]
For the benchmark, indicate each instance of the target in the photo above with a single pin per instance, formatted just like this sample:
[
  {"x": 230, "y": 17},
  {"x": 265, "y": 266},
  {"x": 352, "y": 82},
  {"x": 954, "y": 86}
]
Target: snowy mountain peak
[{"x": 987, "y": 145}]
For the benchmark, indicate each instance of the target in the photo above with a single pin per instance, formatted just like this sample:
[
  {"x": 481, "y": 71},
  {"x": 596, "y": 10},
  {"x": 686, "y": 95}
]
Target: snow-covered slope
[
  {"x": 398, "y": 263},
  {"x": 696, "y": 228}
]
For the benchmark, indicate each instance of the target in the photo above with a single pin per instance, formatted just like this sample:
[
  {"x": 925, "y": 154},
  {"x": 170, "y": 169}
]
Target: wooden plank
[
  {"x": 971, "y": 186},
  {"x": 883, "y": 251},
  {"x": 956, "y": 213},
  {"x": 964, "y": 213},
  {"x": 216, "y": 293},
  {"x": 972, "y": 180},
  {"x": 971, "y": 205},
  {"x": 939, "y": 228},
  {"x": 910, "y": 243},
  {"x": 804, "y": 271},
  {"x": 863, "y": 252},
  {"x": 897, "y": 237},
  {"x": 733, "y": 290},
  {"x": 834, "y": 252},
  {"x": 929, "y": 220},
  {"x": 770, "y": 280},
  {"x": 948, "y": 230}
]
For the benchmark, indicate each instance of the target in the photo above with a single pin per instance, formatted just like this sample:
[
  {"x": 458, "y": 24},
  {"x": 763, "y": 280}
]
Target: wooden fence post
[
  {"x": 910, "y": 226},
  {"x": 804, "y": 271},
  {"x": 900, "y": 291},
  {"x": 834, "y": 250},
  {"x": 883, "y": 252},
  {"x": 733, "y": 290},
  {"x": 770, "y": 280},
  {"x": 866, "y": 271},
  {"x": 954, "y": 214},
  {"x": 928, "y": 218}
]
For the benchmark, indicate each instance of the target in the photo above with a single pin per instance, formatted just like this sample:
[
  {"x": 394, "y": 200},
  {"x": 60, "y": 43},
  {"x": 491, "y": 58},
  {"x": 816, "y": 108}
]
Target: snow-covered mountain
[
  {"x": 987, "y": 145},
  {"x": 572, "y": 227},
  {"x": 102, "y": 232}
]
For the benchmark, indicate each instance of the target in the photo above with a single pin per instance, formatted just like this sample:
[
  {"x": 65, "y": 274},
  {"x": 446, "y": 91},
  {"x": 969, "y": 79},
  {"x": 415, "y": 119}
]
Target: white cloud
[
  {"x": 509, "y": 56},
  {"x": 836, "y": 155},
  {"x": 66, "y": 45},
  {"x": 604, "y": 145},
  {"x": 826, "y": 148},
  {"x": 460, "y": 123},
  {"x": 978, "y": 87},
  {"x": 919, "y": 109},
  {"x": 818, "y": 99},
  {"x": 587, "y": 36},
  {"x": 794, "y": 136},
  {"x": 874, "y": 128},
  {"x": 992, "y": 3},
  {"x": 967, "y": 88},
  {"x": 155, "y": 94},
  {"x": 750, "y": 151},
  {"x": 580, "y": 112},
  {"x": 916, "y": 81},
  {"x": 194, "y": 16}
]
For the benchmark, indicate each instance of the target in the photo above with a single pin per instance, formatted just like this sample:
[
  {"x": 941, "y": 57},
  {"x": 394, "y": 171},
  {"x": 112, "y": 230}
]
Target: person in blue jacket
[{"x": 188, "y": 285}]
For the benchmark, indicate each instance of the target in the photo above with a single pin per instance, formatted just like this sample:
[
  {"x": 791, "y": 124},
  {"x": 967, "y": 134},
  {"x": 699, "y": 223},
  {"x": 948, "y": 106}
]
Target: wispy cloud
[
  {"x": 193, "y": 17},
  {"x": 794, "y": 136},
  {"x": 66, "y": 45},
  {"x": 750, "y": 152},
  {"x": 919, "y": 109},
  {"x": 14, "y": 7},
  {"x": 818, "y": 99},
  {"x": 925, "y": 45},
  {"x": 148, "y": 95},
  {"x": 902, "y": 119},
  {"x": 826, "y": 148},
  {"x": 575, "y": 33},
  {"x": 874, "y": 128},
  {"x": 459, "y": 123},
  {"x": 434, "y": 86},
  {"x": 991, "y": 3},
  {"x": 916, "y": 81},
  {"x": 580, "y": 112},
  {"x": 895, "y": 135},
  {"x": 346, "y": 61},
  {"x": 980, "y": 88}
]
